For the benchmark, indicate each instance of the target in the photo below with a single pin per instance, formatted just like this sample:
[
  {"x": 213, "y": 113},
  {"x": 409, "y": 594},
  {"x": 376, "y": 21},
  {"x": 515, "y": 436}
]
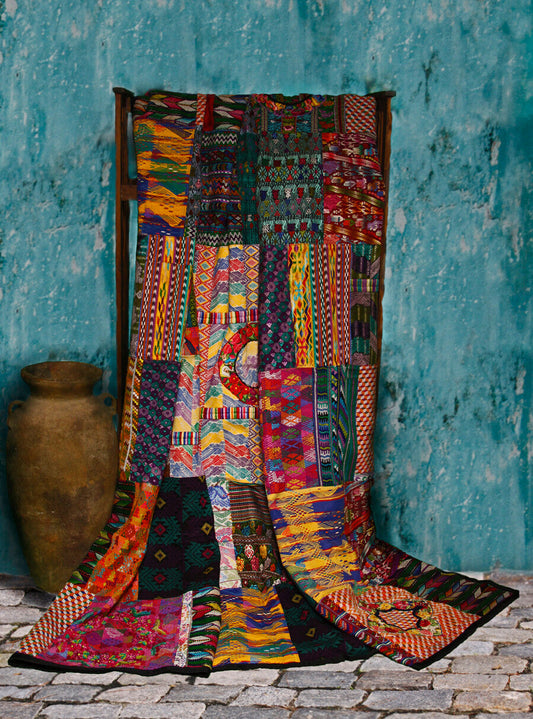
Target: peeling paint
[
  {"x": 11, "y": 7},
  {"x": 400, "y": 220}
]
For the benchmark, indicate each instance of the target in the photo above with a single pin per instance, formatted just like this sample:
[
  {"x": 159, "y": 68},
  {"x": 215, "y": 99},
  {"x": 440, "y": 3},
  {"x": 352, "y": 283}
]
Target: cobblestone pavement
[{"x": 488, "y": 674}]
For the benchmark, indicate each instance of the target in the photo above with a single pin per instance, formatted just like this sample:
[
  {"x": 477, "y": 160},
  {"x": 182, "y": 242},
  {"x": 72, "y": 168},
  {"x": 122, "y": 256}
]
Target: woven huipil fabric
[{"x": 241, "y": 533}]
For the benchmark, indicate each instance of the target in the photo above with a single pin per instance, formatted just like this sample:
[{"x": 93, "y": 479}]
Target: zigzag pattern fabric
[{"x": 241, "y": 533}]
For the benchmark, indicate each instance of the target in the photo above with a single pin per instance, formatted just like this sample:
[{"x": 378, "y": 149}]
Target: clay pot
[{"x": 62, "y": 457}]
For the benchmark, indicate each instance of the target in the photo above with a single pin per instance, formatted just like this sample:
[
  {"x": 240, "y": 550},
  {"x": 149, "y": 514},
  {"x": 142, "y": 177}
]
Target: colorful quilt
[{"x": 241, "y": 533}]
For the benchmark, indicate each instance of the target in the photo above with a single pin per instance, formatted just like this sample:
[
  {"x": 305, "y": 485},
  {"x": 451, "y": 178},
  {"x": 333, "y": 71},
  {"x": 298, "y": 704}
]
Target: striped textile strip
[
  {"x": 165, "y": 294},
  {"x": 347, "y": 437},
  {"x": 362, "y": 285},
  {"x": 344, "y": 269},
  {"x": 227, "y": 318},
  {"x": 189, "y": 438},
  {"x": 301, "y": 303},
  {"x": 149, "y": 296},
  {"x": 323, "y": 328},
  {"x": 322, "y": 426},
  {"x": 171, "y": 314},
  {"x": 329, "y": 270},
  {"x": 248, "y": 412}
]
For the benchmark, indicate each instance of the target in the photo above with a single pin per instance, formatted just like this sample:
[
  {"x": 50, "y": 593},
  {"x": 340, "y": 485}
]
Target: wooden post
[{"x": 125, "y": 190}]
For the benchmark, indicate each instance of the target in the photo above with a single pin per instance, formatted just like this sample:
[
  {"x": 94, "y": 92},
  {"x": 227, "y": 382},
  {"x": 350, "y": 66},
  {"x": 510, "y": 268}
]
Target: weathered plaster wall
[{"x": 455, "y": 420}]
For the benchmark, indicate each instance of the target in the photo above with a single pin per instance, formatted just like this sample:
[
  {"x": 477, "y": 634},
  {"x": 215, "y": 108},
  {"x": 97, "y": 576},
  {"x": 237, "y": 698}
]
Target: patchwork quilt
[{"x": 241, "y": 533}]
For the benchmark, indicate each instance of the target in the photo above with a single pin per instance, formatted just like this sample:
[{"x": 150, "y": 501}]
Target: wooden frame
[{"x": 126, "y": 190}]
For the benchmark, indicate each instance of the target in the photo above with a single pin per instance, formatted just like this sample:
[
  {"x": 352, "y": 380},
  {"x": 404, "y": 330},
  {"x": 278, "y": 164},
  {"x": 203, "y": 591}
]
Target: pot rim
[{"x": 61, "y": 372}]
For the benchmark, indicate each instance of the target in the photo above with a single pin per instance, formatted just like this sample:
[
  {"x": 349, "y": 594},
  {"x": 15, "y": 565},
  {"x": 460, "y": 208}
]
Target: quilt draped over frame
[{"x": 241, "y": 532}]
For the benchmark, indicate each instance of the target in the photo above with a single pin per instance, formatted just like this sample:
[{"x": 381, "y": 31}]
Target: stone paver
[
  {"x": 427, "y": 715},
  {"x": 223, "y": 712},
  {"x": 186, "y": 710},
  {"x": 81, "y": 711},
  {"x": 11, "y": 645},
  {"x": 329, "y": 698},
  {"x": 248, "y": 677},
  {"x": 398, "y": 700},
  {"x": 311, "y": 713},
  {"x": 380, "y": 663},
  {"x": 438, "y": 667},
  {"x": 472, "y": 647},
  {"x": 22, "y": 631},
  {"x": 100, "y": 678},
  {"x": 522, "y": 682},
  {"x": 504, "y": 636},
  {"x": 16, "y": 581},
  {"x": 521, "y": 612},
  {"x": 495, "y": 682},
  {"x": 322, "y": 680},
  {"x": 203, "y": 693},
  {"x": 524, "y": 601},
  {"x": 394, "y": 680},
  {"x": 347, "y": 666},
  {"x": 17, "y": 692},
  {"x": 169, "y": 679},
  {"x": 525, "y": 651},
  {"x": 16, "y": 710},
  {"x": 11, "y": 597},
  {"x": 19, "y": 615},
  {"x": 265, "y": 696},
  {"x": 41, "y": 600},
  {"x": 504, "y": 621},
  {"x": 134, "y": 694},
  {"x": 67, "y": 693},
  {"x": 488, "y": 665},
  {"x": 24, "y": 677},
  {"x": 497, "y": 701}
]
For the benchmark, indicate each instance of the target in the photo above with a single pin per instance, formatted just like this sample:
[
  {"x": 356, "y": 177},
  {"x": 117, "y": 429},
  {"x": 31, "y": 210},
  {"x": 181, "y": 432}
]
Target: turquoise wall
[{"x": 455, "y": 421}]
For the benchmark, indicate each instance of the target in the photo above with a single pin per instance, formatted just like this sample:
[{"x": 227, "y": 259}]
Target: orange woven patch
[
  {"x": 117, "y": 569},
  {"x": 410, "y": 623},
  {"x": 69, "y": 604}
]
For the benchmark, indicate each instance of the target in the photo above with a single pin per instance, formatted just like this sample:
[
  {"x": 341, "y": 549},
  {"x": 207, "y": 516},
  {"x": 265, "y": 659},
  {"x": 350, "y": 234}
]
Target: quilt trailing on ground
[{"x": 241, "y": 533}]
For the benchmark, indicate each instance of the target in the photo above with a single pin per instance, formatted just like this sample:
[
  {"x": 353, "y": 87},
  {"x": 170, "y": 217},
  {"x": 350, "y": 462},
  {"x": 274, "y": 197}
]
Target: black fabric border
[{"x": 27, "y": 661}]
